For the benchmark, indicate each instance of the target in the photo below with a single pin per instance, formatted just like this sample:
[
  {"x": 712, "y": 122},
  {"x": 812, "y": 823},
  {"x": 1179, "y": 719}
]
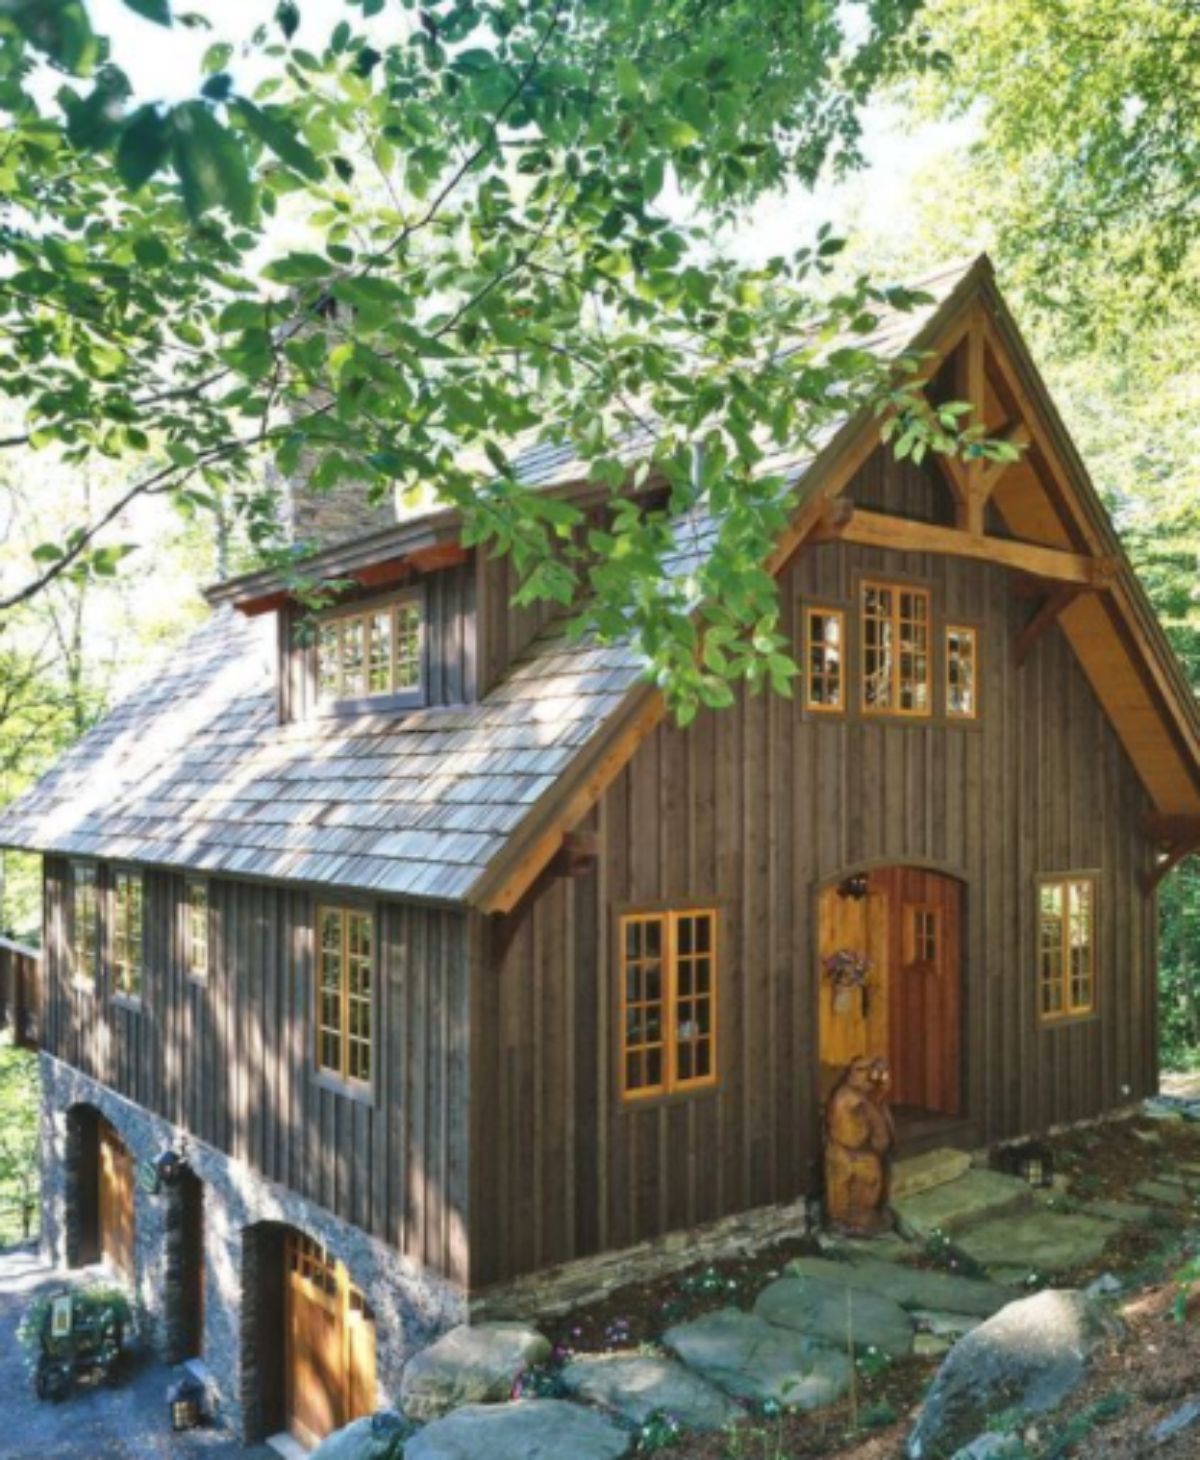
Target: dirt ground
[{"x": 1153, "y": 1372}]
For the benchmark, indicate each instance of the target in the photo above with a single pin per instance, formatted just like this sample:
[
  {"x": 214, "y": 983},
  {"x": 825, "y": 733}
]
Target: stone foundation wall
[
  {"x": 557, "y": 1290},
  {"x": 412, "y": 1306}
]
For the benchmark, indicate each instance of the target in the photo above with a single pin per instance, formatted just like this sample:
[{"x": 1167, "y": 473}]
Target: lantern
[
  {"x": 168, "y": 1167},
  {"x": 185, "y": 1400},
  {"x": 1034, "y": 1163}
]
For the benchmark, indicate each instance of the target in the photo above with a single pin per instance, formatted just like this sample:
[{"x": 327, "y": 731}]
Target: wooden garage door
[
  {"x": 115, "y": 1201},
  {"x": 330, "y": 1343}
]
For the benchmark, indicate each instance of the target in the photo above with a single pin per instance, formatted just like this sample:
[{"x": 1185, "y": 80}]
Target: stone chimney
[{"x": 328, "y": 517}]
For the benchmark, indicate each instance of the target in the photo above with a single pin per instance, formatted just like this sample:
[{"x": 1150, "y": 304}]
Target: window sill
[
  {"x": 373, "y": 704},
  {"x": 1067, "y": 1021},
  {"x": 362, "y": 1094},
  {"x": 631, "y": 1105}
]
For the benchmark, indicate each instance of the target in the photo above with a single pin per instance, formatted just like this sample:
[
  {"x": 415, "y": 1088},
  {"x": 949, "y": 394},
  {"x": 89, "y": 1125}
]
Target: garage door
[
  {"x": 115, "y": 1201},
  {"x": 330, "y": 1347}
]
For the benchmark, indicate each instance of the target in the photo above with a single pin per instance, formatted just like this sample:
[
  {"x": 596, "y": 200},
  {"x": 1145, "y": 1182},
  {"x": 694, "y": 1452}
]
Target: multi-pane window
[
  {"x": 824, "y": 659},
  {"x": 127, "y": 933},
  {"x": 85, "y": 919},
  {"x": 345, "y": 978},
  {"x": 922, "y": 935},
  {"x": 962, "y": 672},
  {"x": 373, "y": 651},
  {"x": 1066, "y": 947},
  {"x": 895, "y": 649},
  {"x": 196, "y": 928},
  {"x": 668, "y": 974}
]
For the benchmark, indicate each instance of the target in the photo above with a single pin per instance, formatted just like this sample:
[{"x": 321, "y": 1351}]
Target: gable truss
[{"x": 1050, "y": 531}]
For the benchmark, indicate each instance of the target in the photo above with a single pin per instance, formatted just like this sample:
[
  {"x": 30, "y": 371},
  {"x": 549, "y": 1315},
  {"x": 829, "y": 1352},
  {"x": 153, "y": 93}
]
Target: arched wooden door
[
  {"x": 925, "y": 1008},
  {"x": 906, "y": 923},
  {"x": 330, "y": 1343},
  {"x": 115, "y": 1200}
]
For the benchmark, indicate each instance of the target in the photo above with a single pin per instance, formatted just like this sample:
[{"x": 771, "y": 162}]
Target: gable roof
[{"x": 468, "y": 803}]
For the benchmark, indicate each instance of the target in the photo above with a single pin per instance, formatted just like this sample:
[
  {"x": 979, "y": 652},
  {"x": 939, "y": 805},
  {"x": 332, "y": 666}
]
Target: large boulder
[
  {"x": 378, "y": 1437},
  {"x": 837, "y": 1315},
  {"x": 529, "y": 1429},
  {"x": 469, "y": 1365},
  {"x": 911, "y": 1287},
  {"x": 638, "y": 1386},
  {"x": 1027, "y": 1358},
  {"x": 752, "y": 1359}
]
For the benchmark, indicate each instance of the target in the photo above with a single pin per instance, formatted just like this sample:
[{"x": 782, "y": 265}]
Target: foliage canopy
[{"x": 482, "y": 232}]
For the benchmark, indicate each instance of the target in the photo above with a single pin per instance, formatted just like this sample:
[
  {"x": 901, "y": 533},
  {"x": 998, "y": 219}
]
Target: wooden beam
[
  {"x": 1043, "y": 618},
  {"x": 903, "y": 535},
  {"x": 972, "y": 351},
  {"x": 577, "y": 855},
  {"x": 1019, "y": 436}
]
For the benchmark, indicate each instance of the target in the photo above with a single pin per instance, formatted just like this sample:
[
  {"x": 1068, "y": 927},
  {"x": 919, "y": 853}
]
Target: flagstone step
[
  {"x": 928, "y": 1170},
  {"x": 975, "y": 1196},
  {"x": 1036, "y": 1241}
]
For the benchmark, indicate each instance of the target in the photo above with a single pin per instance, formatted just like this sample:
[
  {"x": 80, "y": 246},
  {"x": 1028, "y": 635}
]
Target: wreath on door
[{"x": 848, "y": 971}]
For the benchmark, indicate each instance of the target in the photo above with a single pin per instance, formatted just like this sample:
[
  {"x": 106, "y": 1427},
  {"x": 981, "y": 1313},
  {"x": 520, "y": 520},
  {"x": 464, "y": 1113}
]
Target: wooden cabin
[{"x": 433, "y": 954}]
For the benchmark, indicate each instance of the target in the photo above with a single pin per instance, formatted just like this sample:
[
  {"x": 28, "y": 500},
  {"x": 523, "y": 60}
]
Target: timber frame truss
[{"x": 1037, "y": 514}]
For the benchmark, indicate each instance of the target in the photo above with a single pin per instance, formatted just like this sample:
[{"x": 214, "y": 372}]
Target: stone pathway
[
  {"x": 794, "y": 1347},
  {"x": 125, "y": 1423}
]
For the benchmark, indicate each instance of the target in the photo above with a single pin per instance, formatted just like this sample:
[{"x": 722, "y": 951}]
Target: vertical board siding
[
  {"x": 752, "y": 810},
  {"x": 230, "y": 1058}
]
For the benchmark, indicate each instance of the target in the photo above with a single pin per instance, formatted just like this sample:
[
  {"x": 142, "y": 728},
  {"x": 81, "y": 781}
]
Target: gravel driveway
[{"x": 127, "y": 1423}]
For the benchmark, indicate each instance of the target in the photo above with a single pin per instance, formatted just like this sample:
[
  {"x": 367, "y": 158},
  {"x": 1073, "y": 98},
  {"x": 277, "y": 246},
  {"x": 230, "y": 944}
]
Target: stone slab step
[
  {"x": 1040, "y": 1241},
  {"x": 976, "y": 1196},
  {"x": 928, "y": 1170},
  {"x": 1162, "y": 1193},
  {"x": 911, "y": 1287},
  {"x": 1116, "y": 1211}
]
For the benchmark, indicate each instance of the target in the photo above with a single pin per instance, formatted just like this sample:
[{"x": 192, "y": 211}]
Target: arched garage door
[{"x": 329, "y": 1362}]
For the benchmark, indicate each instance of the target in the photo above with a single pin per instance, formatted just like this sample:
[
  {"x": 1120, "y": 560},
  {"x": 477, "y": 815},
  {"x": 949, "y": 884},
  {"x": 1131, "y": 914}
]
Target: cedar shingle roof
[{"x": 194, "y": 770}]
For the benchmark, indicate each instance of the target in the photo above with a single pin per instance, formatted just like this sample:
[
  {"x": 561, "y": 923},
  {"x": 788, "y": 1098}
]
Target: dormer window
[{"x": 374, "y": 654}]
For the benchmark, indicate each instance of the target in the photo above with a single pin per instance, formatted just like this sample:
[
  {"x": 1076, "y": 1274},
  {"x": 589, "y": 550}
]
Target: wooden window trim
[
  {"x": 84, "y": 982},
  {"x": 341, "y": 1080},
  {"x": 811, "y": 612},
  {"x": 1071, "y": 1012},
  {"x": 913, "y": 954},
  {"x": 194, "y": 971},
  {"x": 132, "y": 997},
  {"x": 412, "y": 697},
  {"x": 965, "y": 717},
  {"x": 670, "y": 1086},
  {"x": 894, "y": 711}
]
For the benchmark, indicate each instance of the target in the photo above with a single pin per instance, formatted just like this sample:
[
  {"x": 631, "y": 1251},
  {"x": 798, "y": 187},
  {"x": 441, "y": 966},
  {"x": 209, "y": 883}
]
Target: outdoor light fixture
[
  {"x": 1034, "y": 1163},
  {"x": 185, "y": 1399},
  {"x": 855, "y": 887},
  {"x": 168, "y": 1167}
]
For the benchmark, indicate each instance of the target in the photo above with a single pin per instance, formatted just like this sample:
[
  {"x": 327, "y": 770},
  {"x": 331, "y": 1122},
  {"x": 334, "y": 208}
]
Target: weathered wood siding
[
  {"x": 751, "y": 810},
  {"x": 230, "y": 1058}
]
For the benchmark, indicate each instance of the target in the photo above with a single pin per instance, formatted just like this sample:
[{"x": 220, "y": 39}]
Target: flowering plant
[{"x": 847, "y": 969}]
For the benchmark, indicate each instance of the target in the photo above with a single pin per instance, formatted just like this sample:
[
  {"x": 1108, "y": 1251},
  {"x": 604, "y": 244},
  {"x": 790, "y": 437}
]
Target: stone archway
[{"x": 308, "y": 1337}]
